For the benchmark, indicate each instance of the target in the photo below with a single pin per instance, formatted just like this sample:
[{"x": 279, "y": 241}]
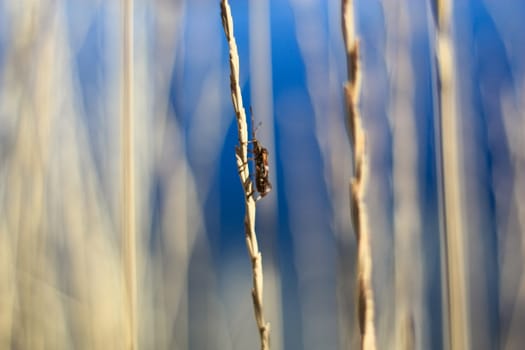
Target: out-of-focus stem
[
  {"x": 410, "y": 322},
  {"x": 128, "y": 180},
  {"x": 455, "y": 276}
]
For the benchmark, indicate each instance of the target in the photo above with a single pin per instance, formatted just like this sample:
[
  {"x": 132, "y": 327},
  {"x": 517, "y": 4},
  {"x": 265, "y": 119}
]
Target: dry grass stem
[
  {"x": 359, "y": 180},
  {"x": 455, "y": 266},
  {"x": 128, "y": 180},
  {"x": 244, "y": 173}
]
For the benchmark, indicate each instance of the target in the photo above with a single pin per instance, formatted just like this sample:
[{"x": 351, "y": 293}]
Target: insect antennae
[
  {"x": 252, "y": 120},
  {"x": 254, "y": 127},
  {"x": 257, "y": 127}
]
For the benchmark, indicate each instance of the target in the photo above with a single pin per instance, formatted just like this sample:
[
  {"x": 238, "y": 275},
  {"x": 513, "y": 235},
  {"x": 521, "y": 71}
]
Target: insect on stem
[{"x": 262, "y": 169}]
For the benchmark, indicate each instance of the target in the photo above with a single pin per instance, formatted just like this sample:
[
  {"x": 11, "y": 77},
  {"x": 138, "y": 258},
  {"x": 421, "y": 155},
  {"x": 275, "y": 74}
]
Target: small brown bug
[{"x": 262, "y": 169}]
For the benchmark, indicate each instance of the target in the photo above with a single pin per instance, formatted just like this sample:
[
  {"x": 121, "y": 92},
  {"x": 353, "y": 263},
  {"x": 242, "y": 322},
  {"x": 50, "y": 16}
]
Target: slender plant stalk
[
  {"x": 128, "y": 181},
  {"x": 244, "y": 173},
  {"x": 359, "y": 180},
  {"x": 454, "y": 245}
]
